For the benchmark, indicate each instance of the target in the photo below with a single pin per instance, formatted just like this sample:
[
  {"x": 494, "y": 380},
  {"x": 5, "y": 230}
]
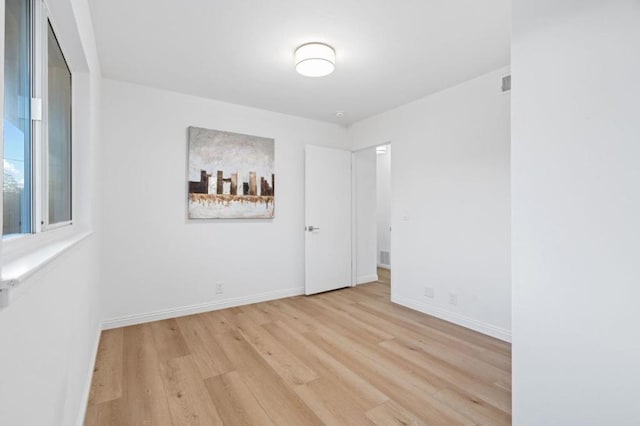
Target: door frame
[{"x": 354, "y": 210}]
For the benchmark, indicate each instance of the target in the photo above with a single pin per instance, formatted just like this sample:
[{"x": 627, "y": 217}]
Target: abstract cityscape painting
[{"x": 230, "y": 175}]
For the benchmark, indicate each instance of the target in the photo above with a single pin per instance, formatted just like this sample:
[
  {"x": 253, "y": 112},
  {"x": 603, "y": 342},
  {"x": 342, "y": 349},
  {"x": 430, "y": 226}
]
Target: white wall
[
  {"x": 365, "y": 207},
  {"x": 450, "y": 201},
  {"x": 157, "y": 262},
  {"x": 49, "y": 337},
  {"x": 576, "y": 210},
  {"x": 49, "y": 331},
  {"x": 383, "y": 203}
]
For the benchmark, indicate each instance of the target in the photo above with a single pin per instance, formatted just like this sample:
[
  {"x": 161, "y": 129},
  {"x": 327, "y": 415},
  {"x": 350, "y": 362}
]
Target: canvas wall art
[{"x": 230, "y": 175}]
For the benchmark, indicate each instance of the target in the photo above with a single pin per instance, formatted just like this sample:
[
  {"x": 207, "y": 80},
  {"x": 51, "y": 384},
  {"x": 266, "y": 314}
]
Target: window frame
[
  {"x": 43, "y": 168},
  {"x": 40, "y": 20},
  {"x": 25, "y": 203}
]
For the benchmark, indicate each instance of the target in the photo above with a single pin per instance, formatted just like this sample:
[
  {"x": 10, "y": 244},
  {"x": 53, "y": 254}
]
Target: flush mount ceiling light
[{"x": 315, "y": 59}]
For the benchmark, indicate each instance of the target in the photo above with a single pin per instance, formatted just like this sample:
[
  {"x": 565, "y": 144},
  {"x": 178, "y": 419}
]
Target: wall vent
[
  {"x": 385, "y": 258},
  {"x": 506, "y": 83}
]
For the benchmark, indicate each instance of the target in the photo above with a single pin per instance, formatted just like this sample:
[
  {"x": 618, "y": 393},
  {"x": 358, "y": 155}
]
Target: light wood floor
[{"x": 347, "y": 357}]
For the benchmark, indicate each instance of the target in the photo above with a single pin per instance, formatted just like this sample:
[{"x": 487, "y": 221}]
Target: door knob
[{"x": 311, "y": 228}]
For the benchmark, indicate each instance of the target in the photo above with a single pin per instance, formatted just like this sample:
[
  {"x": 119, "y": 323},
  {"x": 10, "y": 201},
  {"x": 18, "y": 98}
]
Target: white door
[{"x": 327, "y": 219}]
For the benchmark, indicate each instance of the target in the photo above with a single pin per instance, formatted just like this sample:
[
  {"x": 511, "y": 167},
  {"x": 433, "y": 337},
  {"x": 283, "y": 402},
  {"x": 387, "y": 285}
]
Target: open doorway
[
  {"x": 372, "y": 215},
  {"x": 383, "y": 212}
]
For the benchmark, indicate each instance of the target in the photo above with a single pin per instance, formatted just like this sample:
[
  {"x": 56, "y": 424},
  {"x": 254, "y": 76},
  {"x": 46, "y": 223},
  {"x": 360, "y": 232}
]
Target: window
[
  {"x": 37, "y": 123},
  {"x": 59, "y": 134},
  {"x": 17, "y": 119}
]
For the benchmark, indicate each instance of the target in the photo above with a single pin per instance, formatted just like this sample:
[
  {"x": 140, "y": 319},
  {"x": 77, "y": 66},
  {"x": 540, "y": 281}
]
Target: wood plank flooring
[{"x": 347, "y": 357}]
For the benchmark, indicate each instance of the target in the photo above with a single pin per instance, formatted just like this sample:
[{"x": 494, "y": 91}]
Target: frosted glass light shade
[{"x": 315, "y": 60}]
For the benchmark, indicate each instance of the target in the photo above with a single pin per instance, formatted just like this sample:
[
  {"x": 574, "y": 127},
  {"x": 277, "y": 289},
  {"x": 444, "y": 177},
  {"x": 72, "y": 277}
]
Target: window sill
[{"x": 17, "y": 270}]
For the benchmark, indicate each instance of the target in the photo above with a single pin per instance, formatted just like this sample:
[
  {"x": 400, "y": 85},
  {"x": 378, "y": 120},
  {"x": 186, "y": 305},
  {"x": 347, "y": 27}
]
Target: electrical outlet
[
  {"x": 453, "y": 299},
  {"x": 219, "y": 288},
  {"x": 428, "y": 292}
]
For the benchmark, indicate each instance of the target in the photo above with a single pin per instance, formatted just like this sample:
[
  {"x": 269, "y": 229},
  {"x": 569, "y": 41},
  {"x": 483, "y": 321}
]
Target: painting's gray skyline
[{"x": 230, "y": 152}]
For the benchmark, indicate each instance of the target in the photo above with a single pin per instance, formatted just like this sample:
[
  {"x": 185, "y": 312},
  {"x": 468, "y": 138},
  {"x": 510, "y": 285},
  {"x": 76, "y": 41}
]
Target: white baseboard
[
  {"x": 384, "y": 266},
  {"x": 367, "y": 279},
  {"x": 87, "y": 387},
  {"x": 464, "y": 321},
  {"x": 134, "y": 319}
]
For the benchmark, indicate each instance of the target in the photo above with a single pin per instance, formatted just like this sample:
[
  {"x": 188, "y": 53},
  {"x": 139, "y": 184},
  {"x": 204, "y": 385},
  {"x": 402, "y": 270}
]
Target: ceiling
[{"x": 241, "y": 51}]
